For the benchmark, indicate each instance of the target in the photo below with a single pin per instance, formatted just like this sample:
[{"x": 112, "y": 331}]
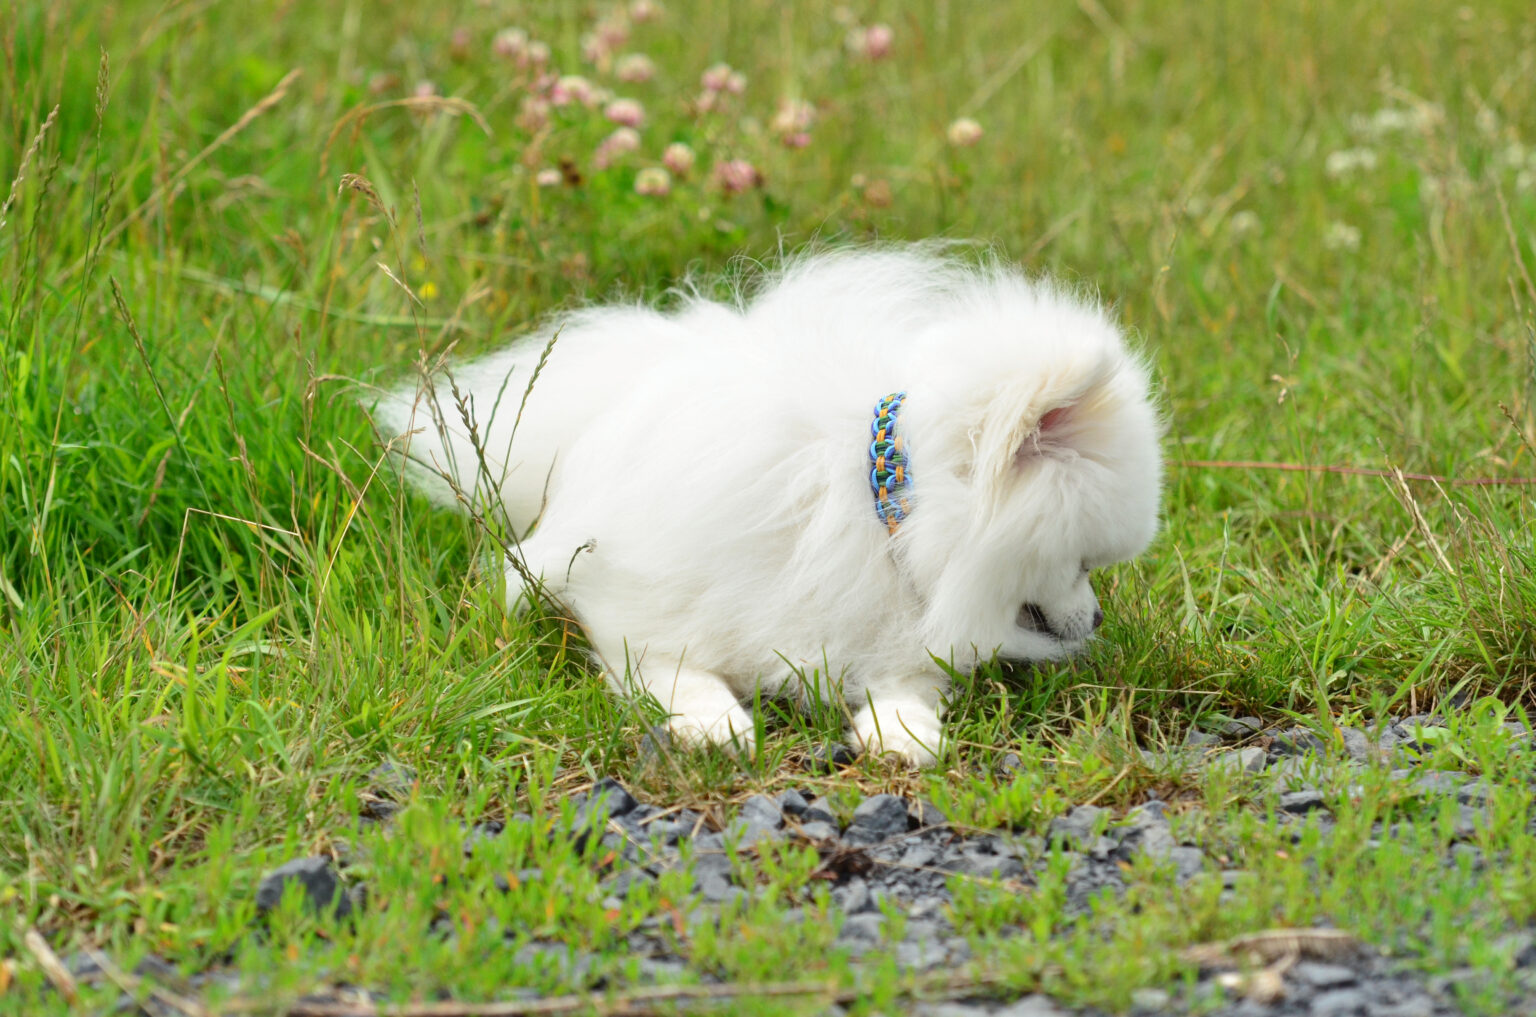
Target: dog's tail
[{"x": 454, "y": 429}]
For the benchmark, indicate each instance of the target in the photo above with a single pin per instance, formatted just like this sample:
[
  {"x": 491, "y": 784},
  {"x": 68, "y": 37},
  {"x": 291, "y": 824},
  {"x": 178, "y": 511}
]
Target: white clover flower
[
  {"x": 678, "y": 158},
  {"x": 716, "y": 77},
  {"x": 964, "y": 133},
  {"x": 871, "y": 43},
  {"x": 1348, "y": 160},
  {"x": 511, "y": 43},
  {"x": 1396, "y": 120},
  {"x": 621, "y": 141},
  {"x": 1341, "y": 236},
  {"x": 736, "y": 175},
  {"x": 625, "y": 112},
  {"x": 634, "y": 68},
  {"x": 653, "y": 181},
  {"x": 1243, "y": 222},
  {"x": 571, "y": 88}
]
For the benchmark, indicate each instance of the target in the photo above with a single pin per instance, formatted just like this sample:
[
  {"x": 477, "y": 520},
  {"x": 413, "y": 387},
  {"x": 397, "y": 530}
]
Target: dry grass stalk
[
  {"x": 435, "y": 103},
  {"x": 1273, "y": 946},
  {"x": 26, "y": 157}
]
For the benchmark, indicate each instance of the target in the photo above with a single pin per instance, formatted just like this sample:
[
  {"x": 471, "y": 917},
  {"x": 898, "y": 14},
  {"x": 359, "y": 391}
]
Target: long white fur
[{"x": 699, "y": 481}]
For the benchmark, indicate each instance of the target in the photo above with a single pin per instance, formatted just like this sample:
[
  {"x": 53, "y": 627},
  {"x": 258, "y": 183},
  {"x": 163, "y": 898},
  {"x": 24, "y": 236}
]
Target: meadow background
[{"x": 219, "y": 610}]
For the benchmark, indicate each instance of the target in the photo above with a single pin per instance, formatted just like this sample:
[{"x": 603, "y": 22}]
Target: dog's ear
[
  {"x": 1017, "y": 425},
  {"x": 1022, "y": 424},
  {"x": 1051, "y": 434}
]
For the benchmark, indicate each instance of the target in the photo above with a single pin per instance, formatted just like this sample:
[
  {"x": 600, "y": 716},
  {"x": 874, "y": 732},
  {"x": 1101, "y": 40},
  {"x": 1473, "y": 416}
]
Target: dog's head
[{"x": 1034, "y": 442}]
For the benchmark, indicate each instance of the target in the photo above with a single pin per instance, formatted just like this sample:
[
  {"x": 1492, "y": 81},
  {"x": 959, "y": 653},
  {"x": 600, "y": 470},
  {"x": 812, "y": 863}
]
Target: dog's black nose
[{"x": 1098, "y": 618}]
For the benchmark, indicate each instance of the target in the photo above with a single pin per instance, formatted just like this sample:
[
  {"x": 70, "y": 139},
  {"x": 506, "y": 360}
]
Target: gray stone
[
  {"x": 1470, "y": 854},
  {"x": 764, "y": 810},
  {"x": 1150, "y": 1000},
  {"x": 712, "y": 876},
  {"x": 919, "y": 854},
  {"x": 877, "y": 818},
  {"x": 1076, "y": 828},
  {"x": 817, "y": 830},
  {"x": 1357, "y": 745},
  {"x": 864, "y": 927},
  {"x": 610, "y": 797},
  {"x": 923, "y": 813},
  {"x": 1037, "y": 1005},
  {"x": 1521, "y": 947},
  {"x": 817, "y": 811},
  {"x": 1339, "y": 1003},
  {"x": 853, "y": 896},
  {"x": 947, "y": 1009},
  {"x": 717, "y": 889},
  {"x": 1249, "y": 760},
  {"x": 1323, "y": 976},
  {"x": 652, "y": 970},
  {"x": 1298, "y": 802},
  {"x": 929, "y": 905},
  {"x": 1188, "y": 862},
  {"x": 985, "y": 865},
  {"x": 1296, "y": 741},
  {"x": 629, "y": 879},
  {"x": 481, "y": 832},
  {"x": 1413, "y": 1006},
  {"x": 1474, "y": 792},
  {"x": 792, "y": 803},
  {"x": 322, "y": 889},
  {"x": 760, "y": 821},
  {"x": 1438, "y": 782},
  {"x": 827, "y": 758},
  {"x": 1145, "y": 831},
  {"x": 1200, "y": 740},
  {"x": 1240, "y": 727}
]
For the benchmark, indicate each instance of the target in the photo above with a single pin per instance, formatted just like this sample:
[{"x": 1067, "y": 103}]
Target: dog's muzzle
[{"x": 1032, "y": 618}]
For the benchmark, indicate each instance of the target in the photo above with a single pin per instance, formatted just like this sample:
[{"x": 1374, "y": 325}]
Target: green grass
[{"x": 219, "y": 609}]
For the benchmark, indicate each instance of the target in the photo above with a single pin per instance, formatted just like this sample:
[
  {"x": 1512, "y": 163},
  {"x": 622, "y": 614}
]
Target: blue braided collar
[{"x": 889, "y": 477}]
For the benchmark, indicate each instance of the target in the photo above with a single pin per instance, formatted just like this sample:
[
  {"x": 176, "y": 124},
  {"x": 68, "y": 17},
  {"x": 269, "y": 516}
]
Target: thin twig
[
  {"x": 1355, "y": 471},
  {"x": 133, "y": 985},
  {"x": 49, "y": 961},
  {"x": 639, "y": 1002}
]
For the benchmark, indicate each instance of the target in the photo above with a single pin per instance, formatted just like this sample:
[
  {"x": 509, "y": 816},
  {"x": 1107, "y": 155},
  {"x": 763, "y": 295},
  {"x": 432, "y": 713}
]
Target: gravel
[{"x": 898, "y": 855}]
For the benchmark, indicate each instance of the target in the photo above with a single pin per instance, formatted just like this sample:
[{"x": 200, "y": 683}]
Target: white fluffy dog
[{"x": 877, "y": 459}]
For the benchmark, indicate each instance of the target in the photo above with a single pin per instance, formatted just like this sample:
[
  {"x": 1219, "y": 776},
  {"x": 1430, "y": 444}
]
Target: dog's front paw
[
  {"x": 731, "y": 729},
  {"x": 911, "y": 730}
]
